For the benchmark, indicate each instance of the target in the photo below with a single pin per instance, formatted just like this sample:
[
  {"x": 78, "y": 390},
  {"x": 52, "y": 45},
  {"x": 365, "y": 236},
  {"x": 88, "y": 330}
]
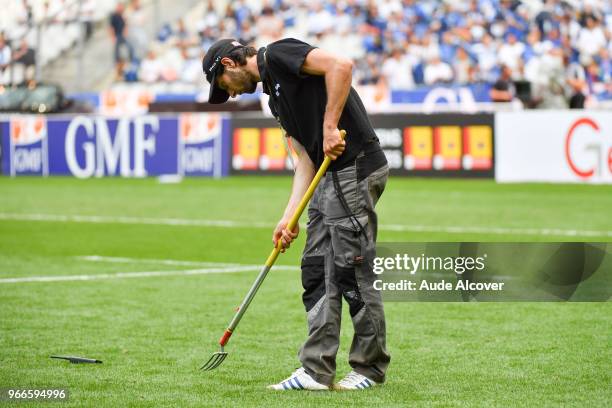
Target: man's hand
[
  {"x": 333, "y": 145},
  {"x": 281, "y": 232}
]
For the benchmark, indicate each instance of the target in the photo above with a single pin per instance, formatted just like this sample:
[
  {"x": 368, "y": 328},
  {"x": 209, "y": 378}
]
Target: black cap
[{"x": 211, "y": 65}]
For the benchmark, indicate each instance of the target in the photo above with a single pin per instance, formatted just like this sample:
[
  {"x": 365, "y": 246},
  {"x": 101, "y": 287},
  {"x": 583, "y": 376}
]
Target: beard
[
  {"x": 250, "y": 87},
  {"x": 244, "y": 80}
]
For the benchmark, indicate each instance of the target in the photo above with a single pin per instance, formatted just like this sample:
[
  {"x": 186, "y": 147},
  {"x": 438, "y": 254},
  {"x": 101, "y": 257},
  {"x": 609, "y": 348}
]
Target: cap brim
[{"x": 216, "y": 94}]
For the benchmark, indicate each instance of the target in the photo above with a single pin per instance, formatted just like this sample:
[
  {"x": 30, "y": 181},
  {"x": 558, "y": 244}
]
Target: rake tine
[{"x": 214, "y": 361}]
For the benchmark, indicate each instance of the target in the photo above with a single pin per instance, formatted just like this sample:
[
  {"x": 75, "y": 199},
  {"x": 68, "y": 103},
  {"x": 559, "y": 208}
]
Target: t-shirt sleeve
[{"x": 289, "y": 54}]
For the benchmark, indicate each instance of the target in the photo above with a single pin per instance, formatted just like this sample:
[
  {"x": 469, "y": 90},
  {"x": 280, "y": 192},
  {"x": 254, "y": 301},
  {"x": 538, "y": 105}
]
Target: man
[
  {"x": 503, "y": 89},
  {"x": 5, "y": 53},
  {"x": 118, "y": 32},
  {"x": 312, "y": 98}
]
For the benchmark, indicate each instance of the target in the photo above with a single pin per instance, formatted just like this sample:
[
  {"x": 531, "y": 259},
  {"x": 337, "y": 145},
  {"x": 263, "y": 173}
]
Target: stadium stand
[
  {"x": 59, "y": 20},
  {"x": 560, "y": 48}
]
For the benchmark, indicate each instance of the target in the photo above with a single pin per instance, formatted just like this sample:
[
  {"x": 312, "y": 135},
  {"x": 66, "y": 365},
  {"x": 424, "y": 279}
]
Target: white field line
[
  {"x": 100, "y": 219},
  {"x": 214, "y": 268},
  {"x": 169, "y": 262},
  {"x": 175, "y": 262},
  {"x": 498, "y": 230}
]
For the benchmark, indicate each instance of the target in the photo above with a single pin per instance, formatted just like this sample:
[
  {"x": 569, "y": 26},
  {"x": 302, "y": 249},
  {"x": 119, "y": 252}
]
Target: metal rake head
[{"x": 214, "y": 361}]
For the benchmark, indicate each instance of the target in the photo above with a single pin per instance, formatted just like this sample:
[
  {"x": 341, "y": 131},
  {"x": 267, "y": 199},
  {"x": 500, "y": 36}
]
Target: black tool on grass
[{"x": 77, "y": 360}]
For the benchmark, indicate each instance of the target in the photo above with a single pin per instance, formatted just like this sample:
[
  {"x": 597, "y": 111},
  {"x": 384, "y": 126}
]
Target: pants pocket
[
  {"x": 313, "y": 280},
  {"x": 348, "y": 237}
]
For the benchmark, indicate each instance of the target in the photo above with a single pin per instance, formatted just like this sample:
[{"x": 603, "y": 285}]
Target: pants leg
[
  {"x": 123, "y": 42},
  {"x": 117, "y": 50},
  {"x": 337, "y": 262},
  {"x": 321, "y": 299},
  {"x": 368, "y": 355}
]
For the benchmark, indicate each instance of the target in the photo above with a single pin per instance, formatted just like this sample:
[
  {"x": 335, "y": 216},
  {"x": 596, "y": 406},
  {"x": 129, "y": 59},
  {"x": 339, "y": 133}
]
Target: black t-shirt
[
  {"x": 118, "y": 24},
  {"x": 504, "y": 85},
  {"x": 298, "y": 101}
]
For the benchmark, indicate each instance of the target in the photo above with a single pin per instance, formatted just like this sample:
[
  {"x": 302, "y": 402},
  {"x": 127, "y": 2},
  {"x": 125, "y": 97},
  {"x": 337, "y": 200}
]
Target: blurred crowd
[
  {"x": 174, "y": 56},
  {"x": 561, "y": 48},
  {"x": 56, "y": 24}
]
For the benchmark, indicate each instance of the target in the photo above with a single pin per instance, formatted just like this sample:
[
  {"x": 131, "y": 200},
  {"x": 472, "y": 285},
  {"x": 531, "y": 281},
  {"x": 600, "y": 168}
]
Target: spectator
[
  {"x": 24, "y": 18},
  {"x": 463, "y": 67},
  {"x": 191, "y": 71},
  {"x": 503, "y": 90},
  {"x": 358, "y": 16},
  {"x": 248, "y": 33},
  {"x": 269, "y": 26},
  {"x": 396, "y": 27},
  {"x": 319, "y": 19},
  {"x": 534, "y": 47},
  {"x": 374, "y": 19},
  {"x": 182, "y": 35},
  {"x": 137, "y": 31},
  {"x": 24, "y": 54},
  {"x": 88, "y": 9},
  {"x": 5, "y": 54},
  {"x": 551, "y": 93},
  {"x": 368, "y": 71},
  {"x": 447, "y": 47},
  {"x": 397, "y": 70},
  {"x": 569, "y": 27},
  {"x": 372, "y": 39},
  {"x": 590, "y": 40},
  {"x": 24, "y": 60},
  {"x": 605, "y": 64},
  {"x": 388, "y": 7},
  {"x": 594, "y": 74},
  {"x": 511, "y": 55},
  {"x": 288, "y": 13},
  {"x": 438, "y": 72},
  {"x": 242, "y": 11},
  {"x": 554, "y": 38},
  {"x": 486, "y": 54},
  {"x": 342, "y": 21},
  {"x": 211, "y": 18},
  {"x": 430, "y": 48},
  {"x": 207, "y": 37},
  {"x": 172, "y": 65},
  {"x": 577, "y": 87},
  {"x": 150, "y": 68},
  {"x": 118, "y": 33}
]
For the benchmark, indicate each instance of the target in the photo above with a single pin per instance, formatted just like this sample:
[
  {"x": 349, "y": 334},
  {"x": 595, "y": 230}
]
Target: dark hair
[{"x": 240, "y": 55}]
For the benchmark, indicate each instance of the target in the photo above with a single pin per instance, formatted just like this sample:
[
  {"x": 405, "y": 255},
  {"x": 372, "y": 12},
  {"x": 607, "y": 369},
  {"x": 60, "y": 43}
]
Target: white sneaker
[
  {"x": 299, "y": 380},
  {"x": 354, "y": 381}
]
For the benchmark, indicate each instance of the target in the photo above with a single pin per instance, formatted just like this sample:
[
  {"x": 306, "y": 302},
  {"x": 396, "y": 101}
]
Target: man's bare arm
[
  {"x": 338, "y": 72},
  {"x": 304, "y": 173}
]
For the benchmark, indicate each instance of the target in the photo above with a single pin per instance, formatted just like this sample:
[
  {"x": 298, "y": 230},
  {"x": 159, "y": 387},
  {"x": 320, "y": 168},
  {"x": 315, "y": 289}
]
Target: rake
[{"x": 217, "y": 358}]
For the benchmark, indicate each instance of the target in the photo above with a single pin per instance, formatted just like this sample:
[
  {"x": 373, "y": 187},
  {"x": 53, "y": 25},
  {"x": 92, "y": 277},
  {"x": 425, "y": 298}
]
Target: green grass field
[{"x": 153, "y": 330}]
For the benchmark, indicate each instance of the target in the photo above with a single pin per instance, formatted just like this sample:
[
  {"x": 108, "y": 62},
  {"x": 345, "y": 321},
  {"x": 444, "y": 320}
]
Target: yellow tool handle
[
  {"x": 272, "y": 258},
  {"x": 303, "y": 203}
]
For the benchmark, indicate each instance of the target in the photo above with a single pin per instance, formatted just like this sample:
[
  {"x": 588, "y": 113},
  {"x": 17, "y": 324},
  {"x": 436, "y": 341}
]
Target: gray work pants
[{"x": 336, "y": 263}]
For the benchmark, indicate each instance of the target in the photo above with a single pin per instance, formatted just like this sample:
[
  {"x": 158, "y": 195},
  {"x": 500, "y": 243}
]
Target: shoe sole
[
  {"x": 271, "y": 387},
  {"x": 337, "y": 387}
]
